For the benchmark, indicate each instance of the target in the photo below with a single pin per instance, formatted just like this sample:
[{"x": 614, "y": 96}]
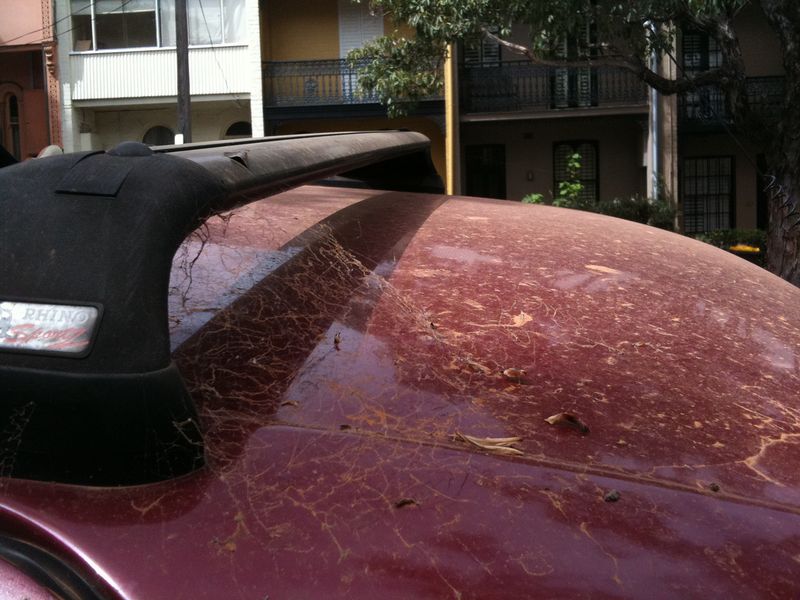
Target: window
[
  {"x": 358, "y": 24},
  {"x": 586, "y": 174},
  {"x": 108, "y": 24},
  {"x": 707, "y": 186},
  {"x": 482, "y": 52},
  {"x": 701, "y": 53},
  {"x": 573, "y": 87}
]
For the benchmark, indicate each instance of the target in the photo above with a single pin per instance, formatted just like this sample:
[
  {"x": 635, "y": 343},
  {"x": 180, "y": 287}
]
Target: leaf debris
[
  {"x": 405, "y": 502},
  {"x": 521, "y": 319},
  {"x": 478, "y": 367},
  {"x": 497, "y": 445},
  {"x": 603, "y": 269},
  {"x": 515, "y": 374},
  {"x": 568, "y": 420}
]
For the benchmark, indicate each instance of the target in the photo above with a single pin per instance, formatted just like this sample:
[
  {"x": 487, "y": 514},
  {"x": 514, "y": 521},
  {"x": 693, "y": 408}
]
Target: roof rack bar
[
  {"x": 259, "y": 168},
  {"x": 88, "y": 241}
]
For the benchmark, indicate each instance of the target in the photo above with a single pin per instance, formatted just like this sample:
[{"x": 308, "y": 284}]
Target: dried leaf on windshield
[
  {"x": 603, "y": 269},
  {"x": 478, "y": 367},
  {"x": 498, "y": 445},
  {"x": 515, "y": 374},
  {"x": 405, "y": 502},
  {"x": 520, "y": 319},
  {"x": 568, "y": 420}
]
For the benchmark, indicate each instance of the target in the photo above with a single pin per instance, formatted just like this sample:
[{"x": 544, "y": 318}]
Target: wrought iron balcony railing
[
  {"x": 523, "y": 86},
  {"x": 312, "y": 83},
  {"x": 301, "y": 83},
  {"x": 707, "y": 106}
]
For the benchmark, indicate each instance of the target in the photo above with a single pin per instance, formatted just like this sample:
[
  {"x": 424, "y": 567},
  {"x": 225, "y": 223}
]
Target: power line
[
  {"x": 57, "y": 21},
  {"x": 214, "y": 52}
]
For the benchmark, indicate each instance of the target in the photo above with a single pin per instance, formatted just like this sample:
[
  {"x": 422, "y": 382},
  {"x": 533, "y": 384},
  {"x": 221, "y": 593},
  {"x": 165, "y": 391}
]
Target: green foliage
[
  {"x": 403, "y": 70},
  {"x": 634, "y": 208},
  {"x": 725, "y": 238},
  {"x": 533, "y": 199},
  {"x": 662, "y": 213},
  {"x": 728, "y": 239},
  {"x": 400, "y": 71},
  {"x": 658, "y": 212},
  {"x": 570, "y": 190}
]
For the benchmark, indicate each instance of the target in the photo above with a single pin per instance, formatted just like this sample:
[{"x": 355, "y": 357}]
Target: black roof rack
[{"x": 89, "y": 391}]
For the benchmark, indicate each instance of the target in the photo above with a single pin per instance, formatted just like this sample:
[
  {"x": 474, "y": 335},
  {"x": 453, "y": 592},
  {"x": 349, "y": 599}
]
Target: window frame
[
  {"x": 707, "y": 102},
  {"x": 731, "y": 207},
  {"x": 159, "y": 23},
  {"x": 574, "y": 145},
  {"x": 482, "y": 52}
]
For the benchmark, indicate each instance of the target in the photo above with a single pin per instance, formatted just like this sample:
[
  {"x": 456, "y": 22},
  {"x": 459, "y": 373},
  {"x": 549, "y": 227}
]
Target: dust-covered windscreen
[{"x": 231, "y": 253}]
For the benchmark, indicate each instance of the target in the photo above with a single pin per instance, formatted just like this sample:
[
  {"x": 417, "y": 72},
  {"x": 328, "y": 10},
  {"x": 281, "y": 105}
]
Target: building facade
[
  {"x": 309, "y": 86},
  {"x": 278, "y": 67},
  {"x": 119, "y": 70},
  {"x": 29, "y": 90},
  {"x": 722, "y": 173},
  {"x": 256, "y": 67},
  {"x": 518, "y": 124}
]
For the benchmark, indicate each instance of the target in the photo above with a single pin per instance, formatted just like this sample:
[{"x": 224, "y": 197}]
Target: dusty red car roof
[{"x": 342, "y": 344}]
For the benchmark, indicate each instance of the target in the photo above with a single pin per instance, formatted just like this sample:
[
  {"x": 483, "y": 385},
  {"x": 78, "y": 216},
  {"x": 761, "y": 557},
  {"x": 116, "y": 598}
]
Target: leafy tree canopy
[{"x": 627, "y": 33}]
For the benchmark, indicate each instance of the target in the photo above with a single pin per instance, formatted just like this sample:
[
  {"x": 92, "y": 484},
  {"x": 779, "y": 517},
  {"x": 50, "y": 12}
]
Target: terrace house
[
  {"x": 256, "y": 67},
  {"x": 310, "y": 87},
  {"x": 119, "y": 70},
  {"x": 723, "y": 175},
  {"x": 517, "y": 124}
]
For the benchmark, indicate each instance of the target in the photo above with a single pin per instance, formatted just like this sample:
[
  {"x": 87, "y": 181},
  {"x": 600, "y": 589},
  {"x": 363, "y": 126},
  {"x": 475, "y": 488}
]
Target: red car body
[{"x": 343, "y": 346}]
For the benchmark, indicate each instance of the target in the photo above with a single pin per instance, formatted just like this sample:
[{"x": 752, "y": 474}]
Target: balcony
[
  {"x": 152, "y": 73},
  {"x": 706, "y": 109},
  {"x": 520, "y": 86},
  {"x": 305, "y": 88},
  {"x": 312, "y": 83}
]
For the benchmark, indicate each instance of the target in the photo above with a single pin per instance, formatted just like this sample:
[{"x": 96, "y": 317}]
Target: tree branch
[{"x": 634, "y": 64}]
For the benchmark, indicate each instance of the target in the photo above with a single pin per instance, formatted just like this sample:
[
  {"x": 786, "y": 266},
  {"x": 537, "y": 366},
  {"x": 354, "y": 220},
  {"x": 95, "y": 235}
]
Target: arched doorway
[
  {"x": 159, "y": 136},
  {"x": 240, "y": 129}
]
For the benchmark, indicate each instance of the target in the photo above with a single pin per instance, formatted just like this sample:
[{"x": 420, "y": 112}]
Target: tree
[{"x": 403, "y": 69}]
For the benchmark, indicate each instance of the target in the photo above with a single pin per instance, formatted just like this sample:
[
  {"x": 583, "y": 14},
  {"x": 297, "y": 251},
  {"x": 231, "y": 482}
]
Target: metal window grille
[
  {"x": 707, "y": 185},
  {"x": 587, "y": 174}
]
